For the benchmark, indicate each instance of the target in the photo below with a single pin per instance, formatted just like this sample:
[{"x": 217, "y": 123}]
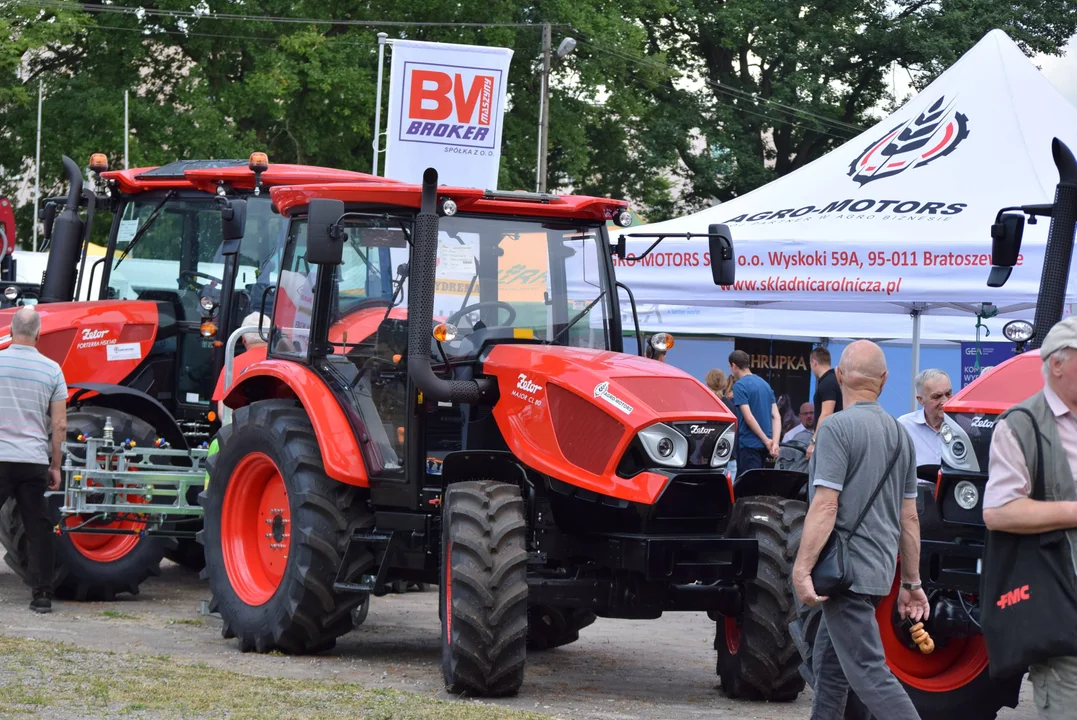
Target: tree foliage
[{"x": 671, "y": 103}]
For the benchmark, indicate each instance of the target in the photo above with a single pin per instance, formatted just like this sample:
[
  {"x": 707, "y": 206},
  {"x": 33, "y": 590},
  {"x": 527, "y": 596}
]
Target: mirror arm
[
  {"x": 660, "y": 237},
  {"x": 635, "y": 317}
]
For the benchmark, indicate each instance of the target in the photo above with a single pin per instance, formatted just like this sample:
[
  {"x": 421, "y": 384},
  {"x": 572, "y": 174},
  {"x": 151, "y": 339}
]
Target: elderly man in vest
[{"x": 1007, "y": 505}]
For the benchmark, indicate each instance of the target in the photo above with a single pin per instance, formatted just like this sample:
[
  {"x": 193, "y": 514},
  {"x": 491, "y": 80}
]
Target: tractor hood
[
  {"x": 99, "y": 342},
  {"x": 573, "y": 413}
]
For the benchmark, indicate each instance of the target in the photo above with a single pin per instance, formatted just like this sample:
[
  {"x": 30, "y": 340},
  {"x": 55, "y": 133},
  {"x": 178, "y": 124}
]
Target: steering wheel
[
  {"x": 190, "y": 284},
  {"x": 452, "y": 319}
]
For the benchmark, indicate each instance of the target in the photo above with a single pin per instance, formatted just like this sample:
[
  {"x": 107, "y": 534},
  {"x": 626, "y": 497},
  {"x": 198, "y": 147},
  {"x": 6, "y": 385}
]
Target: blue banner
[{"x": 991, "y": 354}]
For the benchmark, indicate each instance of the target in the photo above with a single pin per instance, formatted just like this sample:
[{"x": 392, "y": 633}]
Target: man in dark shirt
[
  {"x": 759, "y": 423},
  {"x": 827, "y": 398}
]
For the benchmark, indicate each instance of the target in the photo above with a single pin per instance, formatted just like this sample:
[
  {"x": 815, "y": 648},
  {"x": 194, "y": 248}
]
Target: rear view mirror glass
[
  {"x": 723, "y": 259},
  {"x": 233, "y": 219},
  {"x": 1006, "y": 237},
  {"x": 322, "y": 215},
  {"x": 48, "y": 217}
]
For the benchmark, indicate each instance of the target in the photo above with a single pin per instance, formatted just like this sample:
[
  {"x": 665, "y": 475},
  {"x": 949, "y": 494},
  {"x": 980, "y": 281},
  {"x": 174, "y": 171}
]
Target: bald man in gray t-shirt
[
  {"x": 33, "y": 401},
  {"x": 852, "y": 458}
]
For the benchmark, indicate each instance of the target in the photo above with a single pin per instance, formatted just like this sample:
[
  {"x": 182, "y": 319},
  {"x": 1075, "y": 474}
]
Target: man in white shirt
[
  {"x": 807, "y": 421},
  {"x": 933, "y": 389}
]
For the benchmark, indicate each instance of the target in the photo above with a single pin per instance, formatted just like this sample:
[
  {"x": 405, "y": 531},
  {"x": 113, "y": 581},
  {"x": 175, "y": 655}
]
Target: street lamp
[{"x": 567, "y": 46}]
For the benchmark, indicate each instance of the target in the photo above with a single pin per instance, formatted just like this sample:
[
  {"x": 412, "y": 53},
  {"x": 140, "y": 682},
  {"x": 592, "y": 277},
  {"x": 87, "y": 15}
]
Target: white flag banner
[{"x": 446, "y": 111}]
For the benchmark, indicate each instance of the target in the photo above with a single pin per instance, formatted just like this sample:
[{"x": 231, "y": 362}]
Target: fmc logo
[
  {"x": 933, "y": 134},
  {"x": 449, "y": 105}
]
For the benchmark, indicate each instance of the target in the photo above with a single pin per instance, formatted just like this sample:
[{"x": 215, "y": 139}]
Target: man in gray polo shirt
[
  {"x": 854, "y": 450},
  {"x": 32, "y": 388}
]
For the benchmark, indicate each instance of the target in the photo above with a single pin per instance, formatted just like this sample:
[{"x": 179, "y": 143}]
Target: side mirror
[
  {"x": 621, "y": 248},
  {"x": 1006, "y": 236},
  {"x": 324, "y": 242},
  {"x": 48, "y": 218},
  {"x": 233, "y": 223},
  {"x": 723, "y": 259}
]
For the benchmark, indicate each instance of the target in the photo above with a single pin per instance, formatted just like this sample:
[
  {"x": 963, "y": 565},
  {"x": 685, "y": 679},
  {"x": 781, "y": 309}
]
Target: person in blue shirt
[{"x": 759, "y": 424}]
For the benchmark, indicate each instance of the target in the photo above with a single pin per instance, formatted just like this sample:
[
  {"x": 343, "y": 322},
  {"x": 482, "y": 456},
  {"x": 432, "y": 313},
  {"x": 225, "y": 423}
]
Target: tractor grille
[
  {"x": 585, "y": 433},
  {"x": 670, "y": 394}
]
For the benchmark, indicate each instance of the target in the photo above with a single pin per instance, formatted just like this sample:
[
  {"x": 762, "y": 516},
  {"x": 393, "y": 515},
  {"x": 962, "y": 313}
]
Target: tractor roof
[
  {"x": 379, "y": 191},
  {"x": 205, "y": 174}
]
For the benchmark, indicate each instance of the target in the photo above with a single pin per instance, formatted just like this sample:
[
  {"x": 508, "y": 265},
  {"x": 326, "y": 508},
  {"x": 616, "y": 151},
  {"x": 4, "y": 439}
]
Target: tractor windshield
[
  {"x": 508, "y": 278},
  {"x": 179, "y": 248}
]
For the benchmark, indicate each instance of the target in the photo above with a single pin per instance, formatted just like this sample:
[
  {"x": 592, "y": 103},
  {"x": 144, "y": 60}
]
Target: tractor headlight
[
  {"x": 966, "y": 495},
  {"x": 623, "y": 218},
  {"x": 11, "y": 293},
  {"x": 957, "y": 447},
  {"x": 665, "y": 445},
  {"x": 723, "y": 449}
]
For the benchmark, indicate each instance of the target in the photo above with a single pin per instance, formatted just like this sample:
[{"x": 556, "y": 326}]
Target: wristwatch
[{"x": 911, "y": 586}]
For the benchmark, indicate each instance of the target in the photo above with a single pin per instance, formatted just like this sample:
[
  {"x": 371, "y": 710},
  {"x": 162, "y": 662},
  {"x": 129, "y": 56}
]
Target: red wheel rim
[
  {"x": 106, "y": 548},
  {"x": 732, "y": 636},
  {"x": 947, "y": 669},
  {"x": 255, "y": 529},
  {"x": 448, "y": 592}
]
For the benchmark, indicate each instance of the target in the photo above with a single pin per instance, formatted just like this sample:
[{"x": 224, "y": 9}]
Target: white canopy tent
[{"x": 894, "y": 222}]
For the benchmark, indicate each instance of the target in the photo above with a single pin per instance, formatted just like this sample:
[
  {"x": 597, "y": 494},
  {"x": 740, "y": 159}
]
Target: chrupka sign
[{"x": 446, "y": 111}]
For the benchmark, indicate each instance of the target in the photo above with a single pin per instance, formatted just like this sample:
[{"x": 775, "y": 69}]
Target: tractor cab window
[{"x": 511, "y": 279}]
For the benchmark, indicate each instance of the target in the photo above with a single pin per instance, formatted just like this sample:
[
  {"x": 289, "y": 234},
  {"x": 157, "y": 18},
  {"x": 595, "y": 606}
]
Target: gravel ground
[{"x": 619, "y": 670}]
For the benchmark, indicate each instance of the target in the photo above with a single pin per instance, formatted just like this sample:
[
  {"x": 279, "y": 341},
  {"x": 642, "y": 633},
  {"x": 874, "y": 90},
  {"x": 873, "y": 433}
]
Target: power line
[
  {"x": 735, "y": 93},
  {"x": 196, "y": 15}
]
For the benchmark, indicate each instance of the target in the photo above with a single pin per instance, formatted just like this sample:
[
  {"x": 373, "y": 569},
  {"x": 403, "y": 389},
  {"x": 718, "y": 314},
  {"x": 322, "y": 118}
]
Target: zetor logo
[
  {"x": 700, "y": 430},
  {"x": 983, "y": 422},
  {"x": 527, "y": 385},
  {"x": 89, "y": 334},
  {"x": 932, "y": 134},
  {"x": 451, "y": 106},
  {"x": 1008, "y": 599}
]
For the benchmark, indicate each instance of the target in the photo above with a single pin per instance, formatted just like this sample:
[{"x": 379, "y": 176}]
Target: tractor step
[{"x": 361, "y": 556}]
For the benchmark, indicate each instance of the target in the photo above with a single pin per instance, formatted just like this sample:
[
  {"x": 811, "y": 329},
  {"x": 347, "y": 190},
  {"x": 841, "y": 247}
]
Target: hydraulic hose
[{"x": 1059, "y": 251}]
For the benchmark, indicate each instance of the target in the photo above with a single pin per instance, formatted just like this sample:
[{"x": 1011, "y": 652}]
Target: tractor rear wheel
[
  {"x": 757, "y": 659},
  {"x": 90, "y": 566},
  {"x": 552, "y": 627},
  {"x": 275, "y": 532},
  {"x": 483, "y": 588}
]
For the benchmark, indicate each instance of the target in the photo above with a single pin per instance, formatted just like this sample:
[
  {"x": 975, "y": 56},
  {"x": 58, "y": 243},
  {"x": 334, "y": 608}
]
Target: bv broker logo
[
  {"x": 932, "y": 134},
  {"x": 450, "y": 105}
]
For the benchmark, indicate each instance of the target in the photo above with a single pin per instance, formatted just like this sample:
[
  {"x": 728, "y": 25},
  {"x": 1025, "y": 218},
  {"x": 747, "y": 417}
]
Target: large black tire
[
  {"x": 187, "y": 553},
  {"x": 757, "y": 659},
  {"x": 304, "y": 614},
  {"x": 78, "y": 576},
  {"x": 552, "y": 627},
  {"x": 483, "y": 589}
]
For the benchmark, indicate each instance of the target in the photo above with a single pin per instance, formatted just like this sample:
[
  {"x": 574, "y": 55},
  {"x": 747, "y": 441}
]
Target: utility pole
[
  {"x": 544, "y": 108},
  {"x": 126, "y": 130},
  {"x": 37, "y": 162}
]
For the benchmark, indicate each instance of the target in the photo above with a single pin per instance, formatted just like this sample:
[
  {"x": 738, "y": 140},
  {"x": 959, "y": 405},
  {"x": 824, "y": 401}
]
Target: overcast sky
[{"x": 1062, "y": 71}]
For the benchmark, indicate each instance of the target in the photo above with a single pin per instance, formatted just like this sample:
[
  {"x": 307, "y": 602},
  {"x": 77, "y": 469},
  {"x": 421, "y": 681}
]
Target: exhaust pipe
[
  {"x": 59, "y": 282},
  {"x": 1059, "y": 251},
  {"x": 424, "y": 256}
]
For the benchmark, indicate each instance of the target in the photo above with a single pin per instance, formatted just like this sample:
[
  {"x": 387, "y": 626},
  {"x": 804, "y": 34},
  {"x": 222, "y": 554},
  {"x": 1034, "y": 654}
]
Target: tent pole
[{"x": 915, "y": 354}]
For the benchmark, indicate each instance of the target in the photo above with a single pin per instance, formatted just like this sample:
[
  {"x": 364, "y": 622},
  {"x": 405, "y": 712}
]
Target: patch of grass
[
  {"x": 36, "y": 679},
  {"x": 117, "y": 615},
  {"x": 197, "y": 622}
]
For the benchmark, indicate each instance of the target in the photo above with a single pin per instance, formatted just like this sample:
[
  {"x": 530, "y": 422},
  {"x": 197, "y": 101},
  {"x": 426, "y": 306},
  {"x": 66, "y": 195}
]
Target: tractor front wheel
[
  {"x": 757, "y": 659},
  {"x": 91, "y": 566},
  {"x": 275, "y": 531},
  {"x": 483, "y": 588}
]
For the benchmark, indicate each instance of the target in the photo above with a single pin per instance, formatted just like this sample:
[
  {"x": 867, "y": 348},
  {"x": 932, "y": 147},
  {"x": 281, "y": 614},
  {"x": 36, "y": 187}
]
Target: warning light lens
[
  {"x": 662, "y": 342},
  {"x": 208, "y": 329},
  {"x": 211, "y": 416},
  {"x": 99, "y": 162},
  {"x": 259, "y": 162},
  {"x": 444, "y": 332}
]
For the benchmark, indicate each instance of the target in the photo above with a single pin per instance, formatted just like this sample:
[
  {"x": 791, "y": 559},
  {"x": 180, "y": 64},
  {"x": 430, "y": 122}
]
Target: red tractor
[
  {"x": 445, "y": 400},
  {"x": 143, "y": 359}
]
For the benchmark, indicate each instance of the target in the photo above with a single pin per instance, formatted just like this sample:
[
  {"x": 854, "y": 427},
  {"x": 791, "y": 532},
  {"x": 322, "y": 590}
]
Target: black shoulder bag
[
  {"x": 1028, "y": 598},
  {"x": 831, "y": 575}
]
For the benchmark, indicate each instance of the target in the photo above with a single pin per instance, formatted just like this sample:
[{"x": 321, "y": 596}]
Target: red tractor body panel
[
  {"x": 99, "y": 342},
  {"x": 468, "y": 200},
  {"x": 572, "y": 412},
  {"x": 7, "y": 224},
  {"x": 1001, "y": 387},
  {"x": 239, "y": 177}
]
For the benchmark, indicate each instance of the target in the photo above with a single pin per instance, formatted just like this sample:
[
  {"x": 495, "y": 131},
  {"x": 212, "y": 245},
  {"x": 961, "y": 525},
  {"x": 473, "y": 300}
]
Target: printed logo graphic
[
  {"x": 602, "y": 390},
  {"x": 700, "y": 430},
  {"x": 983, "y": 422},
  {"x": 527, "y": 385},
  {"x": 449, "y": 105},
  {"x": 932, "y": 134},
  {"x": 1008, "y": 599},
  {"x": 89, "y": 334}
]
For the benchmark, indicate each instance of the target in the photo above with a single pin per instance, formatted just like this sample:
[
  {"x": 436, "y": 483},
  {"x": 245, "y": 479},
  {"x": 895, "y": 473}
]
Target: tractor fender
[
  {"x": 280, "y": 379},
  {"x": 499, "y": 465},
  {"x": 787, "y": 484},
  {"x": 133, "y": 402}
]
